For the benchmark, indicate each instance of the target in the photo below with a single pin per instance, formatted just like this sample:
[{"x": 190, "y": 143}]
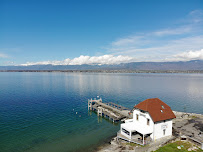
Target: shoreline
[
  {"x": 112, "y": 71},
  {"x": 112, "y": 145}
]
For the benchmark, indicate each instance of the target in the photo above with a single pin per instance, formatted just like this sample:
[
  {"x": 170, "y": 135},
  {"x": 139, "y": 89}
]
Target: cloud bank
[
  {"x": 112, "y": 60},
  {"x": 187, "y": 56},
  {"x": 98, "y": 60}
]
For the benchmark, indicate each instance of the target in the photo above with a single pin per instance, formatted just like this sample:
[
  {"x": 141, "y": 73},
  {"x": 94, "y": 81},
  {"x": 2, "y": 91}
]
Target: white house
[{"x": 152, "y": 119}]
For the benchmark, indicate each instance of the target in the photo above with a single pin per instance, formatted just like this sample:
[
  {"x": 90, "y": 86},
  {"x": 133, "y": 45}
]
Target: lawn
[{"x": 172, "y": 147}]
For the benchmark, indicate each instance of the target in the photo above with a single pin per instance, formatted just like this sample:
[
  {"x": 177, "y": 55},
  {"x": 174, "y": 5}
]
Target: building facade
[{"x": 152, "y": 120}]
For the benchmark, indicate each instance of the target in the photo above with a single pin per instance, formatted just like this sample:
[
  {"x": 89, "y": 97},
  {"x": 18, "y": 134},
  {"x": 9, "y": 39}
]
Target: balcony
[{"x": 135, "y": 138}]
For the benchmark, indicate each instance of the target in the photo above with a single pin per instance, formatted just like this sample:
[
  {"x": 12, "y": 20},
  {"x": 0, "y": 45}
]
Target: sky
[{"x": 75, "y": 32}]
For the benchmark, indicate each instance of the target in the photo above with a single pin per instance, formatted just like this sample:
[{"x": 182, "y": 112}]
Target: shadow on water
[{"x": 105, "y": 119}]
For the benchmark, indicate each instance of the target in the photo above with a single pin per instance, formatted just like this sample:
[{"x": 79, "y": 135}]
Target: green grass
[
  {"x": 172, "y": 147},
  {"x": 194, "y": 117}
]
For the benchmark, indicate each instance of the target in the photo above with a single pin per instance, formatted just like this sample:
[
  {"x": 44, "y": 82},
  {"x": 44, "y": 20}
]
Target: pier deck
[{"x": 114, "y": 111}]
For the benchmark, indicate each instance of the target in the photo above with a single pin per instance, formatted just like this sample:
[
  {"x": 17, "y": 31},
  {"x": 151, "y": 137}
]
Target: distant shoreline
[{"x": 109, "y": 71}]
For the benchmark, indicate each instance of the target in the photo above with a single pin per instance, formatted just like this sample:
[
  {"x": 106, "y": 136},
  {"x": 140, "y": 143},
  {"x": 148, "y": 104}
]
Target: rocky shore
[{"x": 188, "y": 125}]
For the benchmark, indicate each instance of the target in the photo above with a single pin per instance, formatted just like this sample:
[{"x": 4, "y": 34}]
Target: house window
[
  {"x": 148, "y": 121},
  {"x": 161, "y": 111},
  {"x": 164, "y": 132},
  {"x": 162, "y": 107},
  {"x": 137, "y": 117}
]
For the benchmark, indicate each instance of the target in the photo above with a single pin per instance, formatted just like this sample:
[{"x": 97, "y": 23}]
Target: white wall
[
  {"x": 128, "y": 120},
  {"x": 156, "y": 127},
  {"x": 123, "y": 132},
  {"x": 159, "y": 127},
  {"x": 142, "y": 118}
]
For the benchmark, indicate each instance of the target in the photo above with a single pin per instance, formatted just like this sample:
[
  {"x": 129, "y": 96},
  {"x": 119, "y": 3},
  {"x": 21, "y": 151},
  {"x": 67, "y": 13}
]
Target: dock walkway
[{"x": 111, "y": 110}]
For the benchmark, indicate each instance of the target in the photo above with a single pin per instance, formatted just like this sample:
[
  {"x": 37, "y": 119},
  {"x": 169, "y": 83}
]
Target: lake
[{"x": 47, "y": 112}]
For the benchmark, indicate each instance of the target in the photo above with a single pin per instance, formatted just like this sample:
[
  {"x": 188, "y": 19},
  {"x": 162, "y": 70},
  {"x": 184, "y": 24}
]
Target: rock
[{"x": 178, "y": 147}]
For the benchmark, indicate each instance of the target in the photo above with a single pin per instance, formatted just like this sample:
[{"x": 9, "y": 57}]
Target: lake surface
[{"x": 38, "y": 110}]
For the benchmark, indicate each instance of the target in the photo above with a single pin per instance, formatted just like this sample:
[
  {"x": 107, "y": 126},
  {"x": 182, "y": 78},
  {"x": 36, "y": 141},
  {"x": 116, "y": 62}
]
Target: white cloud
[
  {"x": 164, "y": 43},
  {"x": 174, "y": 31},
  {"x": 100, "y": 60},
  {"x": 169, "y": 48},
  {"x": 2, "y": 55},
  {"x": 196, "y": 16},
  {"x": 150, "y": 37},
  {"x": 128, "y": 40},
  {"x": 187, "y": 56}
]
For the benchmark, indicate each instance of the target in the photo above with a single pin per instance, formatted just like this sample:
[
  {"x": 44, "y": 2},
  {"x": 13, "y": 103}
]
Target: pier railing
[{"x": 113, "y": 111}]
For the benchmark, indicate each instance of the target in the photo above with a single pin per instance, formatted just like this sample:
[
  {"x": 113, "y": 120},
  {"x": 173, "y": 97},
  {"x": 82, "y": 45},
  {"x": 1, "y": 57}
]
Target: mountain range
[{"x": 183, "y": 66}]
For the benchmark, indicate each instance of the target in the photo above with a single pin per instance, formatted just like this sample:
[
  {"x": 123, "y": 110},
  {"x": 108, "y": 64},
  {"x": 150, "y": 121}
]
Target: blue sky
[{"x": 69, "y": 32}]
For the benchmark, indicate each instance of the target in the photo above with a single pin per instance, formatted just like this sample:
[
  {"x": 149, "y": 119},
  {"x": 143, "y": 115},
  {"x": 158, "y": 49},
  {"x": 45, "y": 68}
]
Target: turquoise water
[{"x": 38, "y": 110}]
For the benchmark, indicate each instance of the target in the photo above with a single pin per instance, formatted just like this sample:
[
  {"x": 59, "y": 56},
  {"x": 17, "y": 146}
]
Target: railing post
[{"x": 88, "y": 105}]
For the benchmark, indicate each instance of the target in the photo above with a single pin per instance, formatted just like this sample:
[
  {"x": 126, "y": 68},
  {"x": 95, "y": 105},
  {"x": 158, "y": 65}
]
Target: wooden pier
[{"x": 109, "y": 110}]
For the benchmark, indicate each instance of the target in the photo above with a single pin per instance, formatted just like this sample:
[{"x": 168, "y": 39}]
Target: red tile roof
[{"x": 157, "y": 109}]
